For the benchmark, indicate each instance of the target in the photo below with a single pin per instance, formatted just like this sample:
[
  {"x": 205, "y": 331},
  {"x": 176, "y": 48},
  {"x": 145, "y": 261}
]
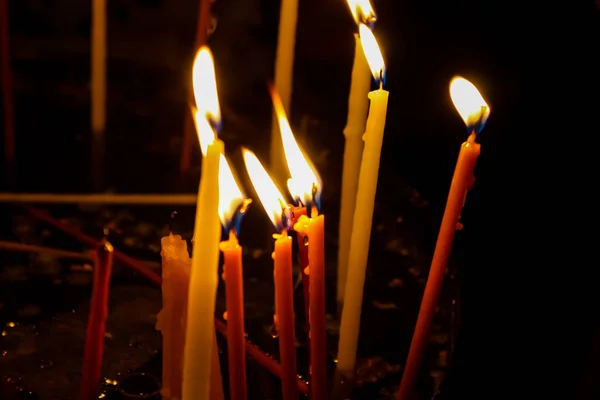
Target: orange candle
[
  {"x": 314, "y": 228},
  {"x": 284, "y": 298},
  {"x": 276, "y": 207},
  {"x": 474, "y": 111},
  {"x": 94, "y": 339},
  {"x": 298, "y": 212},
  {"x": 171, "y": 319},
  {"x": 234, "y": 297}
]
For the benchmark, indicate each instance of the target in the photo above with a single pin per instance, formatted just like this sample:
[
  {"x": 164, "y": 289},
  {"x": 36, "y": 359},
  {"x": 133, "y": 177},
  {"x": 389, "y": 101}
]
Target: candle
[
  {"x": 207, "y": 234},
  {"x": 474, "y": 111},
  {"x": 303, "y": 180},
  {"x": 231, "y": 207},
  {"x": 363, "y": 216},
  {"x": 358, "y": 102},
  {"x": 98, "y": 89},
  {"x": 302, "y": 240},
  {"x": 172, "y": 318},
  {"x": 94, "y": 339},
  {"x": 284, "y": 70},
  {"x": 314, "y": 229},
  {"x": 305, "y": 187},
  {"x": 275, "y": 206}
]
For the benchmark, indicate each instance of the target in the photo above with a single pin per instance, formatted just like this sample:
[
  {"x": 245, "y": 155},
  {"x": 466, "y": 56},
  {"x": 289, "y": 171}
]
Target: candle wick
[{"x": 171, "y": 221}]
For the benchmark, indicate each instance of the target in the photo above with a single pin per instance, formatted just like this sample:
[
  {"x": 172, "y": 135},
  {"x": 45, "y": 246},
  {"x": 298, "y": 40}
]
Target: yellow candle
[
  {"x": 172, "y": 318},
  {"x": 199, "y": 344},
  {"x": 365, "y": 201},
  {"x": 358, "y": 103},
  {"x": 284, "y": 71}
]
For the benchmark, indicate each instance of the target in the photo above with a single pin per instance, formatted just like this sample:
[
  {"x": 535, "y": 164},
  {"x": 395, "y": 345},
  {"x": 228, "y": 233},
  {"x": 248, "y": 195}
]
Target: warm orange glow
[
  {"x": 270, "y": 197},
  {"x": 304, "y": 182},
  {"x": 362, "y": 11},
  {"x": 372, "y": 52},
  {"x": 469, "y": 103},
  {"x": 205, "y": 86}
]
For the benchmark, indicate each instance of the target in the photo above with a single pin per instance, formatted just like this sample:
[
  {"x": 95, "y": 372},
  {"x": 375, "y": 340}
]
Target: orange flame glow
[
  {"x": 372, "y": 52},
  {"x": 469, "y": 103},
  {"x": 205, "y": 86},
  {"x": 269, "y": 195},
  {"x": 362, "y": 11},
  {"x": 305, "y": 183}
]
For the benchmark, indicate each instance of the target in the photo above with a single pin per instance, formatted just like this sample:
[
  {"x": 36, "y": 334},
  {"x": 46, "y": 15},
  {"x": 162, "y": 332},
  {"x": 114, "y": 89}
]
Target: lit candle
[
  {"x": 363, "y": 216},
  {"x": 94, "y": 339},
  {"x": 275, "y": 205},
  {"x": 231, "y": 208},
  {"x": 207, "y": 234},
  {"x": 284, "y": 74},
  {"x": 305, "y": 187},
  {"x": 171, "y": 319},
  {"x": 474, "y": 111},
  {"x": 358, "y": 102}
]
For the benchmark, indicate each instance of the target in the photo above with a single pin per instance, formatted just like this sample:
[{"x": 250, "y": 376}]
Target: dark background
[{"x": 525, "y": 275}]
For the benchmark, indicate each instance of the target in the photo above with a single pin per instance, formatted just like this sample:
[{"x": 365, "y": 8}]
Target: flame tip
[{"x": 469, "y": 103}]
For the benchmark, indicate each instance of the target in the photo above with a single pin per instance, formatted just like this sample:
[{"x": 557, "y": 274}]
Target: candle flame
[
  {"x": 372, "y": 53},
  {"x": 305, "y": 183},
  {"x": 205, "y": 87},
  {"x": 231, "y": 198},
  {"x": 269, "y": 195},
  {"x": 362, "y": 11},
  {"x": 469, "y": 103}
]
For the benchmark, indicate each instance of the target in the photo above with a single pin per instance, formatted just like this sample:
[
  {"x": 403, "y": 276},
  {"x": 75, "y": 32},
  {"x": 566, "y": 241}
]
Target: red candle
[
  {"x": 275, "y": 205},
  {"x": 234, "y": 295},
  {"x": 94, "y": 341},
  {"x": 474, "y": 111},
  {"x": 284, "y": 299},
  {"x": 314, "y": 229}
]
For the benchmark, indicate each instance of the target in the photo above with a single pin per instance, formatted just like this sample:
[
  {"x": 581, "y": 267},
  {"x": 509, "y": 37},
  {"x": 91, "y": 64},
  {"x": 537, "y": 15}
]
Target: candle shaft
[
  {"x": 234, "y": 293},
  {"x": 94, "y": 341},
  {"x": 171, "y": 320},
  {"x": 216, "y": 380},
  {"x": 98, "y": 66},
  {"x": 355, "y": 127},
  {"x": 203, "y": 280},
  {"x": 284, "y": 71},
  {"x": 298, "y": 212},
  {"x": 461, "y": 183},
  {"x": 284, "y": 300},
  {"x": 318, "y": 338},
  {"x": 361, "y": 233}
]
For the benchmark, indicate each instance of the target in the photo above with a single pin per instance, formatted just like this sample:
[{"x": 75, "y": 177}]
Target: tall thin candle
[
  {"x": 94, "y": 340},
  {"x": 363, "y": 216},
  {"x": 358, "y": 103},
  {"x": 207, "y": 234},
  {"x": 305, "y": 186},
  {"x": 275, "y": 206},
  {"x": 232, "y": 206},
  {"x": 474, "y": 111},
  {"x": 284, "y": 74}
]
